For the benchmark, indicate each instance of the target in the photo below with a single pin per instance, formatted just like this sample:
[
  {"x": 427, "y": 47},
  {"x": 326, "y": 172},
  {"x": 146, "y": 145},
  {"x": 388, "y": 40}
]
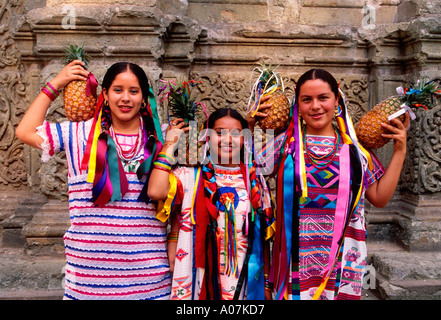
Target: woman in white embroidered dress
[
  {"x": 215, "y": 250},
  {"x": 115, "y": 247}
]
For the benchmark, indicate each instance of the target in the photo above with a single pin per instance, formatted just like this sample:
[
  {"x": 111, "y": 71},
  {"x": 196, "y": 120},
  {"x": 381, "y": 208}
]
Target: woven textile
[
  {"x": 187, "y": 280},
  {"x": 316, "y": 230},
  {"x": 117, "y": 251}
]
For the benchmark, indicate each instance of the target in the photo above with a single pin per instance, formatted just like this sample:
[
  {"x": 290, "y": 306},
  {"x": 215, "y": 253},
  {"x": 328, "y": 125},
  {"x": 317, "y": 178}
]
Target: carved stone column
[{"x": 398, "y": 54}]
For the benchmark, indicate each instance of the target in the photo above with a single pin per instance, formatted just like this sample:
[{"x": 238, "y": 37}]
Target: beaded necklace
[
  {"x": 315, "y": 158},
  {"x": 133, "y": 151}
]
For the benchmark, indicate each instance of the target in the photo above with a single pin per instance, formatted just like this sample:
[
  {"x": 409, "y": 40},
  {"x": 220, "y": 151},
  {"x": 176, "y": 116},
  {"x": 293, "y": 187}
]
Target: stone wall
[{"x": 371, "y": 46}]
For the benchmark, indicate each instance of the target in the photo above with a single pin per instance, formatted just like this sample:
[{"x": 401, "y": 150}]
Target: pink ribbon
[
  {"x": 91, "y": 85},
  {"x": 341, "y": 209}
]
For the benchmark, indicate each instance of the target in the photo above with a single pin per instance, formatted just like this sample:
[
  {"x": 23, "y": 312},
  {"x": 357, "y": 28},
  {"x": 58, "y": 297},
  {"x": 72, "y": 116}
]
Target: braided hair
[
  {"x": 101, "y": 192},
  {"x": 208, "y": 206}
]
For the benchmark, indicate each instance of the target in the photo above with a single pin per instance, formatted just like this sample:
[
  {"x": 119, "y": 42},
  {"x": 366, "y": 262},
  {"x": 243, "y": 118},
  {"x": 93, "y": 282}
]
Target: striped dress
[{"x": 117, "y": 251}]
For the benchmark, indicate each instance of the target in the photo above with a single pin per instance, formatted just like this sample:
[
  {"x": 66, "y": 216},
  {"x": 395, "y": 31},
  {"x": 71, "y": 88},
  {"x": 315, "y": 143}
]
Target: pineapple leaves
[
  {"x": 76, "y": 52},
  {"x": 422, "y": 93},
  {"x": 267, "y": 76},
  {"x": 180, "y": 104}
]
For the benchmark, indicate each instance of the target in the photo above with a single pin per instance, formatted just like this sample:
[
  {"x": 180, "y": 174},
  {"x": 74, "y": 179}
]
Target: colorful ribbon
[
  {"x": 164, "y": 207},
  {"x": 91, "y": 85}
]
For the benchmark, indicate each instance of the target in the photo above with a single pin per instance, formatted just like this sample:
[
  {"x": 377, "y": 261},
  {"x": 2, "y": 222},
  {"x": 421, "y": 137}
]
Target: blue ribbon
[
  {"x": 288, "y": 198},
  {"x": 256, "y": 290},
  {"x": 412, "y": 91}
]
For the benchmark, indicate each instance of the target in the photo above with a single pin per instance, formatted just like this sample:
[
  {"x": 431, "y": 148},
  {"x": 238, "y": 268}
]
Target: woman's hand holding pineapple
[
  {"x": 174, "y": 131},
  {"x": 382, "y": 191},
  {"x": 73, "y": 71},
  {"x": 260, "y": 113},
  {"x": 34, "y": 117},
  {"x": 398, "y": 132}
]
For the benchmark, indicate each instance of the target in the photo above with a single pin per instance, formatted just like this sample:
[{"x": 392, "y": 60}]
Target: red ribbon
[
  {"x": 91, "y": 85},
  {"x": 86, "y": 157}
]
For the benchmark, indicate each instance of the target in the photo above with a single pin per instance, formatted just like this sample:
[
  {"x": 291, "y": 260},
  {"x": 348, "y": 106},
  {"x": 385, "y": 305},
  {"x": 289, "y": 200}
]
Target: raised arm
[
  {"x": 259, "y": 114},
  {"x": 382, "y": 190},
  {"x": 159, "y": 185},
  {"x": 35, "y": 115}
]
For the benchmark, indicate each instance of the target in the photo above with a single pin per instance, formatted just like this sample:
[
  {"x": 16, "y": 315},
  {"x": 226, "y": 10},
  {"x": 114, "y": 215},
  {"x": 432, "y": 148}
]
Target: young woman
[
  {"x": 323, "y": 176},
  {"x": 115, "y": 247},
  {"x": 221, "y": 211}
]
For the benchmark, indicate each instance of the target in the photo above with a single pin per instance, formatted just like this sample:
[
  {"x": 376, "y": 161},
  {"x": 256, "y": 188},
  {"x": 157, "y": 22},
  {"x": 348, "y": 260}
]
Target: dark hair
[
  {"x": 227, "y": 112},
  {"x": 108, "y": 79},
  {"x": 121, "y": 67},
  {"x": 314, "y": 74}
]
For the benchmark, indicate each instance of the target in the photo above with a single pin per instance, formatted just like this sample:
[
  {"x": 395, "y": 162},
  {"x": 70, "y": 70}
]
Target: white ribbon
[
  {"x": 400, "y": 91},
  {"x": 404, "y": 108}
]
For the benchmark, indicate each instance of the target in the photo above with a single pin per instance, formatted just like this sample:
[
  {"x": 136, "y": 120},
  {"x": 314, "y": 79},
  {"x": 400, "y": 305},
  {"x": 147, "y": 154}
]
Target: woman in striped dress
[
  {"x": 115, "y": 247},
  {"x": 323, "y": 176}
]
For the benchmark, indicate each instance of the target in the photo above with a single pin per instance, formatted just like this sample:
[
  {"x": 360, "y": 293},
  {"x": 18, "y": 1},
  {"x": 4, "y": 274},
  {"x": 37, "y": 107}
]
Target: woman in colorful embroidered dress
[
  {"x": 323, "y": 176},
  {"x": 218, "y": 218},
  {"x": 115, "y": 247}
]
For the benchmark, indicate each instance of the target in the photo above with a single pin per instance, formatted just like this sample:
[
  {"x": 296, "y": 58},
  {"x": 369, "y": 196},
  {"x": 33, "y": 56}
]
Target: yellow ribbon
[
  {"x": 271, "y": 90},
  {"x": 270, "y": 230},
  {"x": 368, "y": 156},
  {"x": 92, "y": 160},
  {"x": 196, "y": 187},
  {"x": 164, "y": 207},
  {"x": 346, "y": 138},
  {"x": 304, "y": 185}
]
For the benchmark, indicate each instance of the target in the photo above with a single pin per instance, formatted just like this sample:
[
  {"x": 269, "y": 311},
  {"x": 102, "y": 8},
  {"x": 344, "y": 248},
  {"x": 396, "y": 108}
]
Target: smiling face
[
  {"x": 317, "y": 103},
  {"x": 125, "y": 98},
  {"x": 226, "y": 141}
]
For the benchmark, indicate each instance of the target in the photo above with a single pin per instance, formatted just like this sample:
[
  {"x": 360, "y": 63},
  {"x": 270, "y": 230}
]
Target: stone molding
[{"x": 220, "y": 43}]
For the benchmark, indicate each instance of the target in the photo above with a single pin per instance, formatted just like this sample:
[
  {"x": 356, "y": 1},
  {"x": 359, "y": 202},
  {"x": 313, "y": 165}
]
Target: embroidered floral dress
[
  {"x": 316, "y": 225},
  {"x": 117, "y": 251},
  {"x": 187, "y": 280}
]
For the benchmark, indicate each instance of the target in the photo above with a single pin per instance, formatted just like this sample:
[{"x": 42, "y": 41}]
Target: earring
[{"x": 143, "y": 105}]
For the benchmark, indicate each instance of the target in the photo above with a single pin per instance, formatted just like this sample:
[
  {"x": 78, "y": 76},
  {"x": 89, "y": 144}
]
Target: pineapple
[
  {"x": 369, "y": 128},
  {"x": 278, "y": 115},
  {"x": 181, "y": 106},
  {"x": 77, "y": 104}
]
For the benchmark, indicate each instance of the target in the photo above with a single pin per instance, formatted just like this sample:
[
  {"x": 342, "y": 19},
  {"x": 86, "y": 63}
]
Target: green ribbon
[
  {"x": 155, "y": 117},
  {"x": 112, "y": 160}
]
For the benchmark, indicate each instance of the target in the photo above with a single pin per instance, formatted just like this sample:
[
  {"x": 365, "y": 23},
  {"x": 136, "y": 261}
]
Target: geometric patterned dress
[
  {"x": 316, "y": 225},
  {"x": 117, "y": 251}
]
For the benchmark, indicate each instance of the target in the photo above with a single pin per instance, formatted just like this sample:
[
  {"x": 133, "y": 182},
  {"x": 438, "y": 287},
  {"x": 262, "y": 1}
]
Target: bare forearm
[
  {"x": 33, "y": 118},
  {"x": 159, "y": 184}
]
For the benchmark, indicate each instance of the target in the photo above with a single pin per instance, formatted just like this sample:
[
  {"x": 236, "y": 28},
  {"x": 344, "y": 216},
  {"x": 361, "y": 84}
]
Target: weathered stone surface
[
  {"x": 18, "y": 208},
  {"x": 24, "y": 277},
  {"x": 371, "y": 46},
  {"x": 404, "y": 275},
  {"x": 44, "y": 234}
]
